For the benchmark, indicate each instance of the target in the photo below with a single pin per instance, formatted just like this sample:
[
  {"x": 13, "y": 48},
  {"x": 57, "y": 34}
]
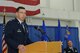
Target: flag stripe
[
  {"x": 2, "y": 37},
  {"x": 3, "y": 42},
  {"x": 13, "y": 10},
  {"x": 30, "y": 8},
  {"x": 4, "y": 48},
  {"x": 4, "y": 51},
  {"x": 28, "y": 2},
  {"x": 15, "y": 5},
  {"x": 4, "y": 45}
]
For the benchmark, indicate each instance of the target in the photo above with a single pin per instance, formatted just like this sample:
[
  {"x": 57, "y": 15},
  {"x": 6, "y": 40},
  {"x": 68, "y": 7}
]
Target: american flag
[
  {"x": 32, "y": 6},
  {"x": 68, "y": 35},
  {"x": 4, "y": 45}
]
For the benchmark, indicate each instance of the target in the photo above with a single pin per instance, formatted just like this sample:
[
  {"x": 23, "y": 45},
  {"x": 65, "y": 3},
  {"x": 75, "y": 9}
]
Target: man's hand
[{"x": 21, "y": 48}]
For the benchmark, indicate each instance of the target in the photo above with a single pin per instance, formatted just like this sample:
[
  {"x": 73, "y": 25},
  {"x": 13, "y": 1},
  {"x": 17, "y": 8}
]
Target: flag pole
[
  {"x": 43, "y": 27},
  {"x": 4, "y": 15},
  {"x": 67, "y": 33},
  {"x": 4, "y": 48}
]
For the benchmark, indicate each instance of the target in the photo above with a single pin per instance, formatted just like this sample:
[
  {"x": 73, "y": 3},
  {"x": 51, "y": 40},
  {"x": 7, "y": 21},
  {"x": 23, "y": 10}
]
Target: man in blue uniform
[
  {"x": 70, "y": 48},
  {"x": 16, "y": 32}
]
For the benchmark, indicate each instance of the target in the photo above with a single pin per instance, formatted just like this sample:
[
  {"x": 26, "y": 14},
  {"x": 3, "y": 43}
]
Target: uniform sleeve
[{"x": 9, "y": 36}]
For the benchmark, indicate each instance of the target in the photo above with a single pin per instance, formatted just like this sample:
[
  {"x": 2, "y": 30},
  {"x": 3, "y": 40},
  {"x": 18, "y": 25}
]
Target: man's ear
[{"x": 16, "y": 13}]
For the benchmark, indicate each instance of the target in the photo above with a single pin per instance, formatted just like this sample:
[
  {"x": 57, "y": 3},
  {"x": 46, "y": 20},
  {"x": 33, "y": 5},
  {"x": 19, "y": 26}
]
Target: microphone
[
  {"x": 39, "y": 29},
  {"x": 42, "y": 32}
]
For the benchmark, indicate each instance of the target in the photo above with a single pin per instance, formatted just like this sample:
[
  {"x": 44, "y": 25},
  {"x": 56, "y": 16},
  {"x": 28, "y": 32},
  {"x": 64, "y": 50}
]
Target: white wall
[
  {"x": 7, "y": 19},
  {"x": 77, "y": 5},
  {"x": 43, "y": 3},
  {"x": 65, "y": 5},
  {"x": 61, "y": 4},
  {"x": 38, "y": 21},
  {"x": 48, "y": 22}
]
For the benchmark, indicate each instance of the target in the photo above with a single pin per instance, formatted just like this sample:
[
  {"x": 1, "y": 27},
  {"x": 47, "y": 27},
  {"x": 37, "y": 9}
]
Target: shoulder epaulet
[{"x": 11, "y": 20}]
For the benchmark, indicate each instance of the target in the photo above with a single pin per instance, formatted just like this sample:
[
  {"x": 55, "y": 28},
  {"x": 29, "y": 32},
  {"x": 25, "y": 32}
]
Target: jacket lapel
[{"x": 19, "y": 25}]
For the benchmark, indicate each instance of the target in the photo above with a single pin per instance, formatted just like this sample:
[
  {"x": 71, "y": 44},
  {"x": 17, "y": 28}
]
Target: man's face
[
  {"x": 70, "y": 43},
  {"x": 21, "y": 14}
]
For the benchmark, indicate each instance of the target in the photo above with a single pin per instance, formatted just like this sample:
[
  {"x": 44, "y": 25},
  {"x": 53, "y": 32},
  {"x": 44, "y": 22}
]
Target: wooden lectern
[{"x": 44, "y": 47}]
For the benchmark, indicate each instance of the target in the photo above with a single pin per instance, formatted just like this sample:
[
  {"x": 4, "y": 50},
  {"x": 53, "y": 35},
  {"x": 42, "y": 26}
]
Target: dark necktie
[
  {"x": 72, "y": 49},
  {"x": 23, "y": 25}
]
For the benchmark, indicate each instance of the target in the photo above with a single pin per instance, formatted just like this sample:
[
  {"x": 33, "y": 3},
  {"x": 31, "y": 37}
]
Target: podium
[{"x": 44, "y": 47}]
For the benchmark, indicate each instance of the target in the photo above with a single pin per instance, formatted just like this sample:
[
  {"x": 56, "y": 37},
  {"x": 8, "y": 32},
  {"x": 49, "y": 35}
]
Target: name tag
[
  {"x": 75, "y": 50},
  {"x": 18, "y": 30},
  {"x": 69, "y": 51}
]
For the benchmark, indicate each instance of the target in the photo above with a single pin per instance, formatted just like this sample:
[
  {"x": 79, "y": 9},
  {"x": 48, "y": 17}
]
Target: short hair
[
  {"x": 19, "y": 8},
  {"x": 69, "y": 40}
]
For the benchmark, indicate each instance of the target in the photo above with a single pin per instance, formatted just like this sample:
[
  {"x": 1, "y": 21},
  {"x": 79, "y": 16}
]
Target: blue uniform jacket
[{"x": 15, "y": 35}]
